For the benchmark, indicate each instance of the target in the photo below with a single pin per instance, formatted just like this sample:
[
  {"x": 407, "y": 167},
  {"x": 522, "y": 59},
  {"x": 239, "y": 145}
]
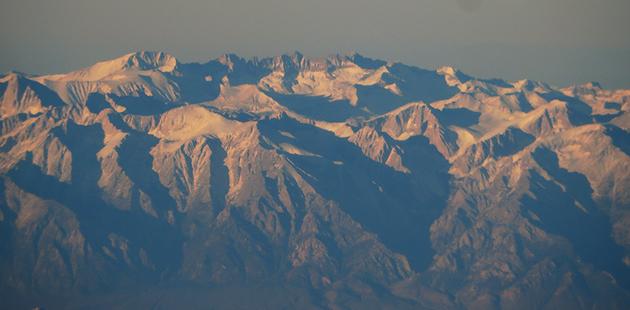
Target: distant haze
[{"x": 558, "y": 41}]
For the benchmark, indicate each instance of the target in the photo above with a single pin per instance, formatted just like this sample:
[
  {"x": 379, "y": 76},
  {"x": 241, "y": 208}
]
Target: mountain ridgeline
[{"x": 292, "y": 182}]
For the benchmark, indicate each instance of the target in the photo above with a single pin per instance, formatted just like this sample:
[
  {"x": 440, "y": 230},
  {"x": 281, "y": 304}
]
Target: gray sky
[{"x": 558, "y": 41}]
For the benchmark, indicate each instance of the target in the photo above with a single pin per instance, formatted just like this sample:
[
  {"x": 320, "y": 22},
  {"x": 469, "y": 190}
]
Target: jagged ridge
[{"x": 347, "y": 181}]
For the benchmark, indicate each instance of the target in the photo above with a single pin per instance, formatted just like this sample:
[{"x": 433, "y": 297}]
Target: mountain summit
[{"x": 338, "y": 183}]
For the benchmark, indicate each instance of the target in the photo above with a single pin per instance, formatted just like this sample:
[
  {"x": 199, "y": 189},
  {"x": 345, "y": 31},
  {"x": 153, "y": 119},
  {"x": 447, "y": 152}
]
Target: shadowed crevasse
[
  {"x": 418, "y": 84},
  {"x": 134, "y": 156},
  {"x": 511, "y": 142},
  {"x": 460, "y": 117},
  {"x": 142, "y": 104},
  {"x": 47, "y": 95},
  {"x": 620, "y": 138},
  {"x": 579, "y": 112},
  {"x": 396, "y": 207},
  {"x": 6, "y": 229},
  {"x": 219, "y": 177},
  {"x": 96, "y": 102},
  {"x": 318, "y": 107},
  {"x": 570, "y": 212},
  {"x": 3, "y": 87},
  {"x": 83, "y": 197}
]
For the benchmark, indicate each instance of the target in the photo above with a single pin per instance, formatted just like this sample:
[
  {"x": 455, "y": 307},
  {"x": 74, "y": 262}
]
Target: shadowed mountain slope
[{"x": 321, "y": 183}]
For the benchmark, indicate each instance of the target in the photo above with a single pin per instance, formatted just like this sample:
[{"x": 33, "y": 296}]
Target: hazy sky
[{"x": 558, "y": 41}]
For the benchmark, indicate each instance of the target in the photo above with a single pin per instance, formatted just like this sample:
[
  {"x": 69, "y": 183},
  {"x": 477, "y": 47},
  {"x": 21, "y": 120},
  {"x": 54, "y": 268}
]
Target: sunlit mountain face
[{"x": 336, "y": 183}]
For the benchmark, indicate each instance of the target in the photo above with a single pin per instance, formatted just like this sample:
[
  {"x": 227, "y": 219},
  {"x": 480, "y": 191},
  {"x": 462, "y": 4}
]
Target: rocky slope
[{"x": 342, "y": 182}]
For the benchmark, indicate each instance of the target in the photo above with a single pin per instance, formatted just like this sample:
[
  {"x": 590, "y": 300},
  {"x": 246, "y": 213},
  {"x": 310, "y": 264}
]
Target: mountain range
[{"x": 310, "y": 183}]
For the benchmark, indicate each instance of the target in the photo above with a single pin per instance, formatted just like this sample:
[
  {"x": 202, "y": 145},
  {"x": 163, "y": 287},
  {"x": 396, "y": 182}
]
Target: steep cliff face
[{"x": 342, "y": 182}]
